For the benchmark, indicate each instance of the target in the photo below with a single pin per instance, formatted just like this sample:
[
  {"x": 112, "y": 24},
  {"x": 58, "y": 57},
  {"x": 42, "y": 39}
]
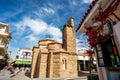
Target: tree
[{"x": 6, "y": 59}]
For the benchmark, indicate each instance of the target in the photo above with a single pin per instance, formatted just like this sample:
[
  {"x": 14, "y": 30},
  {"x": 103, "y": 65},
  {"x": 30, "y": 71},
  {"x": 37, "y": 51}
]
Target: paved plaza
[{"x": 23, "y": 75}]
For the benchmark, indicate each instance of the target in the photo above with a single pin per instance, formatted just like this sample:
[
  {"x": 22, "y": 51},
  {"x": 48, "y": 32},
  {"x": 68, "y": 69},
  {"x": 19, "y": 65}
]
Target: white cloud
[
  {"x": 87, "y": 1},
  {"x": 73, "y": 2},
  {"x": 48, "y": 10},
  {"x": 44, "y": 11},
  {"x": 54, "y": 31},
  {"x": 82, "y": 45},
  {"x": 38, "y": 13},
  {"x": 38, "y": 29},
  {"x": 37, "y": 26},
  {"x": 31, "y": 38}
]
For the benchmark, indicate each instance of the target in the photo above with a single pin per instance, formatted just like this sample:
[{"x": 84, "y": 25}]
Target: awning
[{"x": 23, "y": 62}]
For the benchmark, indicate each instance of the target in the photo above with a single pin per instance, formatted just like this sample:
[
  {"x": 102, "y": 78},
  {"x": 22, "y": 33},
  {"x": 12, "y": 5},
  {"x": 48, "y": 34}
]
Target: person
[{"x": 10, "y": 68}]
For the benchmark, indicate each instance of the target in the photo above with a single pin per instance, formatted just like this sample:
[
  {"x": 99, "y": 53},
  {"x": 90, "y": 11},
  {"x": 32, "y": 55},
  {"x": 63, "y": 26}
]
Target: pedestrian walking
[{"x": 11, "y": 69}]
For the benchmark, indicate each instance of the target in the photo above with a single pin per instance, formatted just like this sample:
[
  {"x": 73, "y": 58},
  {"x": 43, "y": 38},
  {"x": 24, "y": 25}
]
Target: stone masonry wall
[
  {"x": 34, "y": 61},
  {"x": 43, "y": 65},
  {"x": 64, "y": 67},
  {"x": 50, "y": 65},
  {"x": 56, "y": 65},
  {"x": 72, "y": 65},
  {"x": 69, "y": 42}
]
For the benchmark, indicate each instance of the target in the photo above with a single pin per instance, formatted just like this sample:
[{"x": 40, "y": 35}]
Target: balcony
[
  {"x": 2, "y": 32},
  {"x": 1, "y": 57},
  {"x": 3, "y": 49},
  {"x": 2, "y": 45}
]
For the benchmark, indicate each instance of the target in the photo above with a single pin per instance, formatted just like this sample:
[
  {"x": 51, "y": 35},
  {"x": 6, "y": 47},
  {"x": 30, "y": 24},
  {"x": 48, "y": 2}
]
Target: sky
[{"x": 33, "y": 20}]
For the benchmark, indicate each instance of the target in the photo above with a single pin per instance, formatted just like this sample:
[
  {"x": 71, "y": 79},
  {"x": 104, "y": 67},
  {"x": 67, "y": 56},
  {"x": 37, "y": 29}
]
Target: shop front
[
  {"x": 101, "y": 24},
  {"x": 20, "y": 63}
]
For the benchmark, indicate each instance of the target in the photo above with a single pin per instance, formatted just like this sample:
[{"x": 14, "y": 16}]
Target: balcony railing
[{"x": 3, "y": 32}]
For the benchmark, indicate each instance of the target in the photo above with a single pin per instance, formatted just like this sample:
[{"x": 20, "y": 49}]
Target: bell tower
[{"x": 69, "y": 42}]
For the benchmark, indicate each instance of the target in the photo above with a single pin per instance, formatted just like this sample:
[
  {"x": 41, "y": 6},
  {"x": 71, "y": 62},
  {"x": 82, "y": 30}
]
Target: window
[
  {"x": 100, "y": 55},
  {"x": 64, "y": 63},
  {"x": 110, "y": 53}
]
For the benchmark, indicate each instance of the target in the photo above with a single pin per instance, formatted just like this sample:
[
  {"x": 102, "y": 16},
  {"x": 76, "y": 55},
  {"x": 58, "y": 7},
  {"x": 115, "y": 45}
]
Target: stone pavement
[
  {"x": 77, "y": 78},
  {"x": 5, "y": 74},
  {"x": 22, "y": 75}
]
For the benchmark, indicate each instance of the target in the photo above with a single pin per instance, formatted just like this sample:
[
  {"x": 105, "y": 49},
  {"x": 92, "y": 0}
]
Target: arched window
[{"x": 64, "y": 63}]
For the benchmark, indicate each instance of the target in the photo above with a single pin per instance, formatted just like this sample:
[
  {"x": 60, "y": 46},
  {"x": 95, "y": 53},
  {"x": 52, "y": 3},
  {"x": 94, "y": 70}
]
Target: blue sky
[{"x": 32, "y": 20}]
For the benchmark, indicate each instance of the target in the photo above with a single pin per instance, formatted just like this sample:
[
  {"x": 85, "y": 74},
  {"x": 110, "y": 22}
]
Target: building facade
[
  {"x": 23, "y": 57},
  {"x": 52, "y": 59},
  {"x": 5, "y": 36},
  {"x": 84, "y": 61},
  {"x": 101, "y": 23}
]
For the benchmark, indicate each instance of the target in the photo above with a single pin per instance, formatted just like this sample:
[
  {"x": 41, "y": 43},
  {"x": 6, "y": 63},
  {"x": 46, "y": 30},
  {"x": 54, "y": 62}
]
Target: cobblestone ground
[{"x": 23, "y": 75}]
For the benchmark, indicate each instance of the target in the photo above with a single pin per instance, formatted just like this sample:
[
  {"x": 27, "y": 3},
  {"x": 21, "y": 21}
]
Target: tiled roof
[{"x": 87, "y": 13}]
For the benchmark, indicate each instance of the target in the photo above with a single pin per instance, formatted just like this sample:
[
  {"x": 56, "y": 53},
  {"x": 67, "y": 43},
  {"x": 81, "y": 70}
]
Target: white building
[
  {"x": 84, "y": 63},
  {"x": 24, "y": 57}
]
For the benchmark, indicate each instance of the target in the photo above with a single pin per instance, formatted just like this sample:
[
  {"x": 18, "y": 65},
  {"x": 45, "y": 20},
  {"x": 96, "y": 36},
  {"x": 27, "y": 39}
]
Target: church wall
[
  {"x": 56, "y": 65},
  {"x": 45, "y": 42},
  {"x": 64, "y": 65},
  {"x": 43, "y": 48},
  {"x": 55, "y": 60},
  {"x": 71, "y": 40},
  {"x": 68, "y": 65},
  {"x": 69, "y": 43},
  {"x": 72, "y": 65},
  {"x": 34, "y": 61},
  {"x": 50, "y": 65},
  {"x": 54, "y": 46},
  {"x": 43, "y": 65},
  {"x": 64, "y": 35}
]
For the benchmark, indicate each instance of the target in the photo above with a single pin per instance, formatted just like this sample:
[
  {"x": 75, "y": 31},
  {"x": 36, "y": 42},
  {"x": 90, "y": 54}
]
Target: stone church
[{"x": 52, "y": 59}]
